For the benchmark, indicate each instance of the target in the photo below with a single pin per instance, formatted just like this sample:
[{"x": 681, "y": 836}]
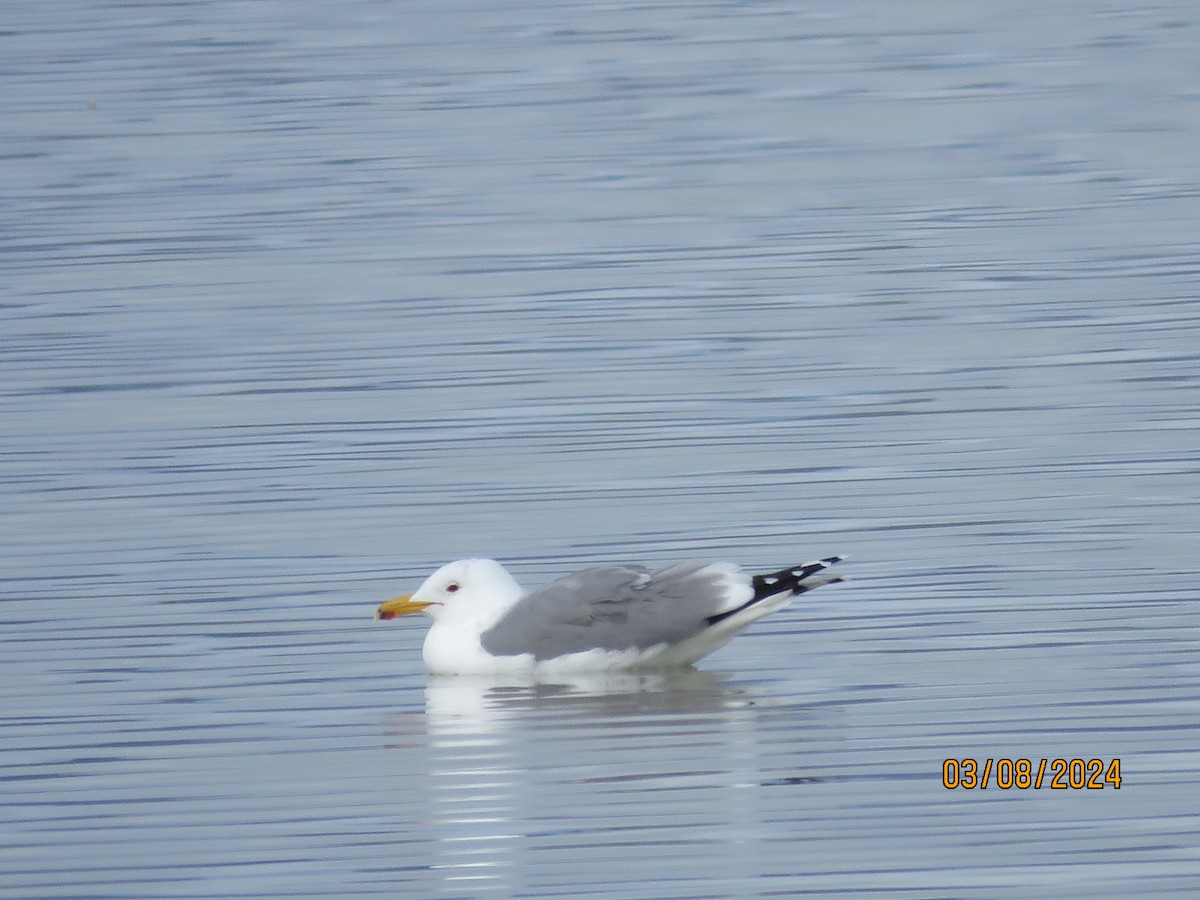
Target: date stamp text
[{"x": 1025, "y": 774}]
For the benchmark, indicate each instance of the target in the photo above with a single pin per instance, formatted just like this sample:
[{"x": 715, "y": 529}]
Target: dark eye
[{"x": 452, "y": 587}]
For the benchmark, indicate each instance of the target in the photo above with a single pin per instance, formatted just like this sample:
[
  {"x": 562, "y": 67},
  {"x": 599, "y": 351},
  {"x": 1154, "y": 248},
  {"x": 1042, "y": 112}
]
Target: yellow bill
[{"x": 401, "y": 606}]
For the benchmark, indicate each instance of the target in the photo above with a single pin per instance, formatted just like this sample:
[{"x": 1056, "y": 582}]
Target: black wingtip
[
  {"x": 785, "y": 581},
  {"x": 792, "y": 579}
]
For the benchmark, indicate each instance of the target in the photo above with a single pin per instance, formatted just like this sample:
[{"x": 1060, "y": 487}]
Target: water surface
[{"x": 301, "y": 301}]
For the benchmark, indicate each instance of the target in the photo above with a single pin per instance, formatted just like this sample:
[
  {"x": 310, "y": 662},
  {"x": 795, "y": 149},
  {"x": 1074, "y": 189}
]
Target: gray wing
[{"x": 613, "y": 608}]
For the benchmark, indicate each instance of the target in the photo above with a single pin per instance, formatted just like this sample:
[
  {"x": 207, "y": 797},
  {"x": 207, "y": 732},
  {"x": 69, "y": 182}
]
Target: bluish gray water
[{"x": 299, "y": 301}]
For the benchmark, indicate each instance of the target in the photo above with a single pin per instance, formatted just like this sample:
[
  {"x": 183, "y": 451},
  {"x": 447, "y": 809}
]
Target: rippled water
[{"x": 301, "y": 300}]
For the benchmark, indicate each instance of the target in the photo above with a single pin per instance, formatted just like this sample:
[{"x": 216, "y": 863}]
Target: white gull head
[{"x": 465, "y": 598}]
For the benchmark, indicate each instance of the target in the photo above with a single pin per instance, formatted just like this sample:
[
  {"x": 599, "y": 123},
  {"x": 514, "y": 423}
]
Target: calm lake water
[{"x": 299, "y": 301}]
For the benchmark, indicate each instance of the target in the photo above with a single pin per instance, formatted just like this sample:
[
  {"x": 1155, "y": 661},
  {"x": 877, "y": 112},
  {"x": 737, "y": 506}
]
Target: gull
[{"x": 612, "y": 618}]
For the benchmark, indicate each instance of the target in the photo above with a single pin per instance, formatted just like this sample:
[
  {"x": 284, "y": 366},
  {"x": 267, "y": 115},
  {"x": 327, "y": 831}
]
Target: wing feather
[{"x": 618, "y": 608}]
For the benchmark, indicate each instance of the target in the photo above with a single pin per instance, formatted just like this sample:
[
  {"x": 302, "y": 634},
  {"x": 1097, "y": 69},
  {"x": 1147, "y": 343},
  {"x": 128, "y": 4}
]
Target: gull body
[{"x": 601, "y": 619}]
